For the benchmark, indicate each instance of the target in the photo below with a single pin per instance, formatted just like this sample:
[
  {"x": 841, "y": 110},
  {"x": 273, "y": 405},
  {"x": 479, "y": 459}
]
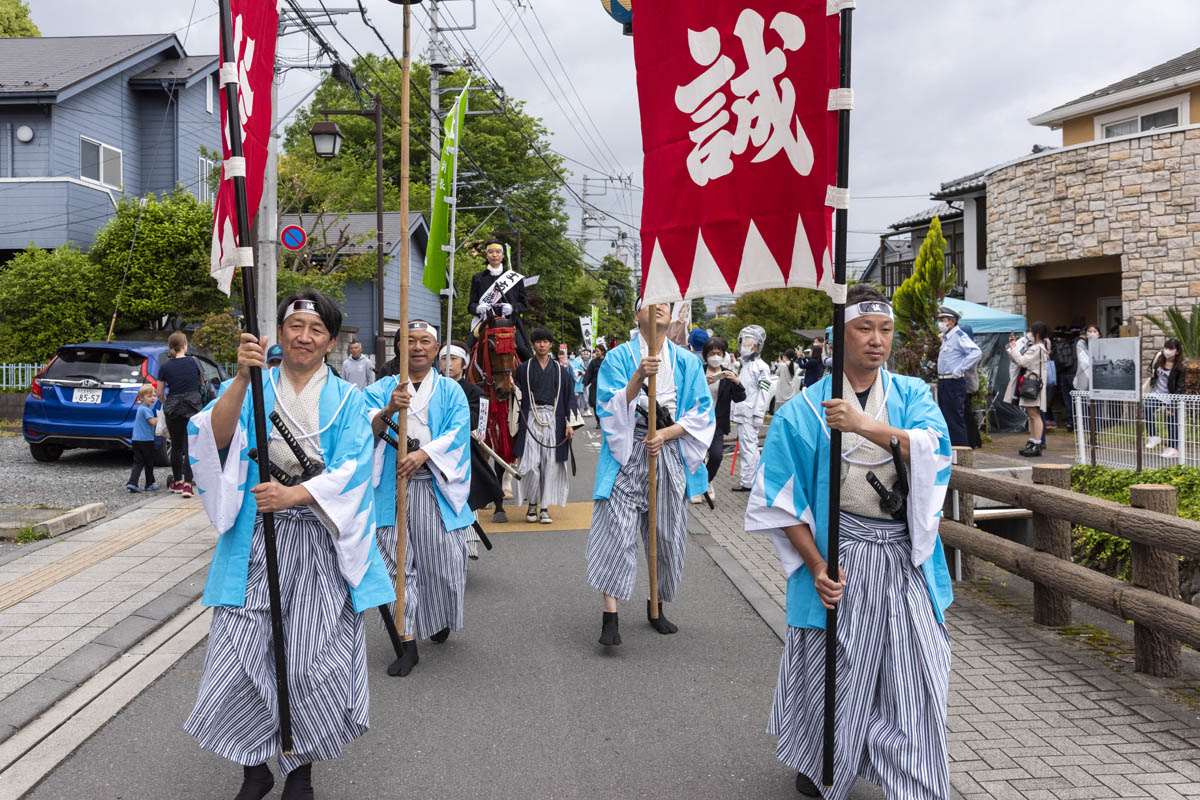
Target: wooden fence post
[
  {"x": 1155, "y": 569},
  {"x": 1051, "y": 607},
  {"x": 963, "y": 457}
]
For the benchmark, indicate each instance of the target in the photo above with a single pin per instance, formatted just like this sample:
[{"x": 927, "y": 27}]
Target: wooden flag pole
[
  {"x": 402, "y": 342},
  {"x": 250, "y": 309},
  {"x": 652, "y": 470},
  {"x": 835, "y": 436}
]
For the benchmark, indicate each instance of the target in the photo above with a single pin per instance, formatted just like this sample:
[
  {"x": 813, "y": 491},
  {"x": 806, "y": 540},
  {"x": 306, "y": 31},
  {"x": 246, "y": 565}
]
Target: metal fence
[
  {"x": 17, "y": 376},
  {"x": 1162, "y": 430}
]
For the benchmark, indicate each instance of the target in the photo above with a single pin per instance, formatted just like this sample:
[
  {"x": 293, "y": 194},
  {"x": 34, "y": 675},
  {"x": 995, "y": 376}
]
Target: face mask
[
  {"x": 747, "y": 351},
  {"x": 1093, "y": 336},
  {"x": 715, "y": 361},
  {"x": 942, "y": 326},
  {"x": 1169, "y": 353}
]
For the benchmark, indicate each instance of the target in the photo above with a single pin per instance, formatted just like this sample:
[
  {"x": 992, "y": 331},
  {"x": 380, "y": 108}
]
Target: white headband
[
  {"x": 421, "y": 325},
  {"x": 454, "y": 350},
  {"x": 301, "y": 307},
  {"x": 868, "y": 307}
]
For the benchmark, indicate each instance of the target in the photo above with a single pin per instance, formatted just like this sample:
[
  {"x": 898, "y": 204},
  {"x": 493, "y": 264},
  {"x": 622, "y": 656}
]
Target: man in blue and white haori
[
  {"x": 893, "y": 658},
  {"x": 755, "y": 377},
  {"x": 622, "y": 474},
  {"x": 438, "y": 471},
  {"x": 544, "y": 436},
  {"x": 957, "y": 355},
  {"x": 329, "y": 569}
]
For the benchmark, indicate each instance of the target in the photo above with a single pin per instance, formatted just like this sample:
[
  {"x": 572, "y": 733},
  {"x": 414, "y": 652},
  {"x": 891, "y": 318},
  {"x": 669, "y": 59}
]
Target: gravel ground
[{"x": 77, "y": 478}]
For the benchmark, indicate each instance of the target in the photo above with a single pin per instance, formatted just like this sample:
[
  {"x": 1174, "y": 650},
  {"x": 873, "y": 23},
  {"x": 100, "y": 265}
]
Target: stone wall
[{"x": 1136, "y": 198}]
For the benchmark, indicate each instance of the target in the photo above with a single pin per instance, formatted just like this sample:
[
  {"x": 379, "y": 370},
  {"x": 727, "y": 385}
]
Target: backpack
[{"x": 1063, "y": 355}]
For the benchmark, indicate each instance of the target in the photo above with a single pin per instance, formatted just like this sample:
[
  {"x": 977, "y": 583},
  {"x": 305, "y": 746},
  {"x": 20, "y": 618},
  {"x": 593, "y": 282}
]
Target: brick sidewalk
[{"x": 1030, "y": 716}]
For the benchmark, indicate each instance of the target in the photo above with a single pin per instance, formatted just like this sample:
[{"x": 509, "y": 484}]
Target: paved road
[
  {"x": 78, "y": 477},
  {"x": 523, "y": 703}
]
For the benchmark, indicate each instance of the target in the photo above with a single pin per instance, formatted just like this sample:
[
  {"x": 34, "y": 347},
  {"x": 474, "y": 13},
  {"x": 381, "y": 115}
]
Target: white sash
[{"x": 497, "y": 290}]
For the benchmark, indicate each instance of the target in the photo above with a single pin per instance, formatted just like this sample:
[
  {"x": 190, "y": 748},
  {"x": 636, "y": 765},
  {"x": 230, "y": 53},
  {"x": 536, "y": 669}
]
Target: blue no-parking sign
[{"x": 293, "y": 237}]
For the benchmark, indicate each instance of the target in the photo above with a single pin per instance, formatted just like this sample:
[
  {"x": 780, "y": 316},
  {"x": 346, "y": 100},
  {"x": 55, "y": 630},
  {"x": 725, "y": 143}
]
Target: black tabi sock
[
  {"x": 609, "y": 634},
  {"x": 257, "y": 783},
  {"x": 298, "y": 785},
  {"x": 440, "y": 636},
  {"x": 806, "y": 787},
  {"x": 405, "y": 663},
  {"x": 662, "y": 624}
]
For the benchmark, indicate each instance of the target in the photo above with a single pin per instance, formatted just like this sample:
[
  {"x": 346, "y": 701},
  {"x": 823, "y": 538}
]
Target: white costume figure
[
  {"x": 893, "y": 660},
  {"x": 621, "y": 489},
  {"x": 439, "y": 484},
  {"x": 329, "y": 568},
  {"x": 755, "y": 378}
]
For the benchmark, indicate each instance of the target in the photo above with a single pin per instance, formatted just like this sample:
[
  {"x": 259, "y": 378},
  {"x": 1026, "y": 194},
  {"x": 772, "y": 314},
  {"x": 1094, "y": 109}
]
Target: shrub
[
  {"x": 219, "y": 335},
  {"x": 47, "y": 299}
]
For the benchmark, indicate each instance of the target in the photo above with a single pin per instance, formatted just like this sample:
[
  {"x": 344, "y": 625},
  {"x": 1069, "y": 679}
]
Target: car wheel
[
  {"x": 162, "y": 454},
  {"x": 45, "y": 452}
]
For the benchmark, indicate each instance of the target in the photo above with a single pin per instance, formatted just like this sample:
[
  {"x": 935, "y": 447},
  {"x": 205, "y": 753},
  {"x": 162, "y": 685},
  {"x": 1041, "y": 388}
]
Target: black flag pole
[
  {"x": 835, "y": 436},
  {"x": 250, "y": 310}
]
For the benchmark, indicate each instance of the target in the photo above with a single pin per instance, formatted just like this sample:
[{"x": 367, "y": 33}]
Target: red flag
[
  {"x": 255, "y": 24},
  {"x": 740, "y": 144}
]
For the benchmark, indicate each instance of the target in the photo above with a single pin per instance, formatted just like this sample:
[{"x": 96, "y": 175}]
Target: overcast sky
[{"x": 941, "y": 88}]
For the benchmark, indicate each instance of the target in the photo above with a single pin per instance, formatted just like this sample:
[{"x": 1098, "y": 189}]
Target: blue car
[{"x": 85, "y": 396}]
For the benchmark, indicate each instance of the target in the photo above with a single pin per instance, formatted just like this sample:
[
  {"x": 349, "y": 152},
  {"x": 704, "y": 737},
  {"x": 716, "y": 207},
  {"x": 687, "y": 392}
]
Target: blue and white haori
[
  {"x": 893, "y": 651},
  {"x": 329, "y": 572},
  {"x": 439, "y": 417},
  {"x": 620, "y": 492}
]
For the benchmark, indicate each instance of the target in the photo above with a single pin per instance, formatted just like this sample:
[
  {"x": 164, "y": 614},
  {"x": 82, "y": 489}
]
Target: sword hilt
[
  {"x": 310, "y": 470},
  {"x": 276, "y": 471}
]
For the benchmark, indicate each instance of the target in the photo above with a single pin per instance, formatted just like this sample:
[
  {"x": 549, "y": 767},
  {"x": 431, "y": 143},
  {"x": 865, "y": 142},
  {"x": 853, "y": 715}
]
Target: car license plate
[{"x": 87, "y": 396}]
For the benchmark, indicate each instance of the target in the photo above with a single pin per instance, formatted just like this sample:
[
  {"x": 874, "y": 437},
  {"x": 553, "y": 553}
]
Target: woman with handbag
[
  {"x": 184, "y": 384},
  {"x": 1027, "y": 387}
]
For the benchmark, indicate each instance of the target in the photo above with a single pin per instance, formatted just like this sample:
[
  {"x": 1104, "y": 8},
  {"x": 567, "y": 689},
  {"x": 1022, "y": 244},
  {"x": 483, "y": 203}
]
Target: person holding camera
[
  {"x": 726, "y": 389},
  {"x": 1027, "y": 388}
]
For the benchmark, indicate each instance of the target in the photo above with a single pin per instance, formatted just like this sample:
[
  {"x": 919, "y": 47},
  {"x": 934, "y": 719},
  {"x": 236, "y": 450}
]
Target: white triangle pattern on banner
[
  {"x": 706, "y": 275},
  {"x": 804, "y": 268},
  {"x": 661, "y": 286},
  {"x": 759, "y": 268}
]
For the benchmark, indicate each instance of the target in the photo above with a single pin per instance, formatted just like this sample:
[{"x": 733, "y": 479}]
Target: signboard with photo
[{"x": 1116, "y": 368}]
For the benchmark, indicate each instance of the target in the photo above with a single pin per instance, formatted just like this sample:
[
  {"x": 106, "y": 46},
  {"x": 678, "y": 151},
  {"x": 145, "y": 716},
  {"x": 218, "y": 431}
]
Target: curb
[
  {"x": 742, "y": 580},
  {"x": 34, "y": 698},
  {"x": 26, "y": 549},
  {"x": 75, "y": 518}
]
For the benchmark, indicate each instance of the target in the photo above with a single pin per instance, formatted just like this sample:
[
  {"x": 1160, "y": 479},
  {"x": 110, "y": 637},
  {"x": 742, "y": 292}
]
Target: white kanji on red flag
[
  {"x": 740, "y": 144},
  {"x": 765, "y": 105},
  {"x": 255, "y": 24}
]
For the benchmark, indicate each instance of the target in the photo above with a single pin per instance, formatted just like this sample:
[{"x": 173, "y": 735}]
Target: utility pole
[{"x": 267, "y": 224}]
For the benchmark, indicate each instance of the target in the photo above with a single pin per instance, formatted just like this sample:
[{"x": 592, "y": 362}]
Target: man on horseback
[{"x": 499, "y": 292}]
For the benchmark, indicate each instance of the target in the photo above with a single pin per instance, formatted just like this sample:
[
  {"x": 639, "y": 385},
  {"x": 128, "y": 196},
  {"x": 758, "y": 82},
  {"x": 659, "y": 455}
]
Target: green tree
[
  {"x": 916, "y": 303},
  {"x": 219, "y": 335},
  {"x": 168, "y": 263},
  {"x": 779, "y": 312},
  {"x": 49, "y": 299},
  {"x": 699, "y": 309},
  {"x": 15, "y": 20},
  {"x": 519, "y": 179}
]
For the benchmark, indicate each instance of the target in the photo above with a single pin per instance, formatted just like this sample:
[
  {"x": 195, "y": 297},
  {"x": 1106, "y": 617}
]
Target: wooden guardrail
[{"x": 1158, "y": 537}]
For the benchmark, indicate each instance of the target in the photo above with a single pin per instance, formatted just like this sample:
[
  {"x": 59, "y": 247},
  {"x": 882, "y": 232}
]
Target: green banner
[
  {"x": 434, "y": 277},
  {"x": 595, "y": 327}
]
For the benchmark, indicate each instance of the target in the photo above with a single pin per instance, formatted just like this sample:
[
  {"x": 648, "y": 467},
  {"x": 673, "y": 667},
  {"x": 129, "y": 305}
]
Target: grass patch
[{"x": 26, "y": 535}]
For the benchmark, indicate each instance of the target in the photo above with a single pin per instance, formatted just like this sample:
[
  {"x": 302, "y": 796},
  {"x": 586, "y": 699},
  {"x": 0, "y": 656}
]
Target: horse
[{"x": 493, "y": 361}]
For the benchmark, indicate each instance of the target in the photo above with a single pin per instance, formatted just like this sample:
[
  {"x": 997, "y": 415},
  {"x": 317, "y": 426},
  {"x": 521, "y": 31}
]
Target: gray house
[
  {"x": 355, "y": 232},
  {"x": 87, "y": 119}
]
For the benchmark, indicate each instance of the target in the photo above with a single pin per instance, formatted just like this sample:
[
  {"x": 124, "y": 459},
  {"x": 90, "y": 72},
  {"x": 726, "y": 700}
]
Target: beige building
[{"x": 1106, "y": 228}]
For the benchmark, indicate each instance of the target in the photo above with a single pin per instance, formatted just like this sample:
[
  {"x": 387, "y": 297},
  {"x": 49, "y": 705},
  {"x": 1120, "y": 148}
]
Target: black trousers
[
  {"x": 716, "y": 453},
  {"x": 181, "y": 465},
  {"x": 952, "y": 394},
  {"x": 143, "y": 459}
]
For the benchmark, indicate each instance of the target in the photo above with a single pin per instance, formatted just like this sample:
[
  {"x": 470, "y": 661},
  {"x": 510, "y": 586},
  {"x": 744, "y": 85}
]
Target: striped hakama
[
  {"x": 618, "y": 519},
  {"x": 435, "y": 570},
  {"x": 236, "y": 713},
  {"x": 893, "y": 669},
  {"x": 545, "y": 482}
]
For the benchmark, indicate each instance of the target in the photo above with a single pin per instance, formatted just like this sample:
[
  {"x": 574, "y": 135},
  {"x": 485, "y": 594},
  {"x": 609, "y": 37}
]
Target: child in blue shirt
[{"x": 143, "y": 439}]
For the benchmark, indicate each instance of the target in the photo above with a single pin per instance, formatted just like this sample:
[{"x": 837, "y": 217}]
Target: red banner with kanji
[
  {"x": 740, "y": 144},
  {"x": 255, "y": 24}
]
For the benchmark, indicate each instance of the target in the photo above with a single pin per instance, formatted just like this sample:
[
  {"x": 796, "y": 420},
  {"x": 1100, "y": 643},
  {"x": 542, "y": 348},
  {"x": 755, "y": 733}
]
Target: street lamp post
[{"x": 327, "y": 143}]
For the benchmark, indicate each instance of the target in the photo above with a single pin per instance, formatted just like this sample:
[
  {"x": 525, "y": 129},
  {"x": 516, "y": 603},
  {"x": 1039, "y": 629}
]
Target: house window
[
  {"x": 208, "y": 94},
  {"x": 99, "y": 162},
  {"x": 203, "y": 188},
  {"x": 1169, "y": 112}
]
